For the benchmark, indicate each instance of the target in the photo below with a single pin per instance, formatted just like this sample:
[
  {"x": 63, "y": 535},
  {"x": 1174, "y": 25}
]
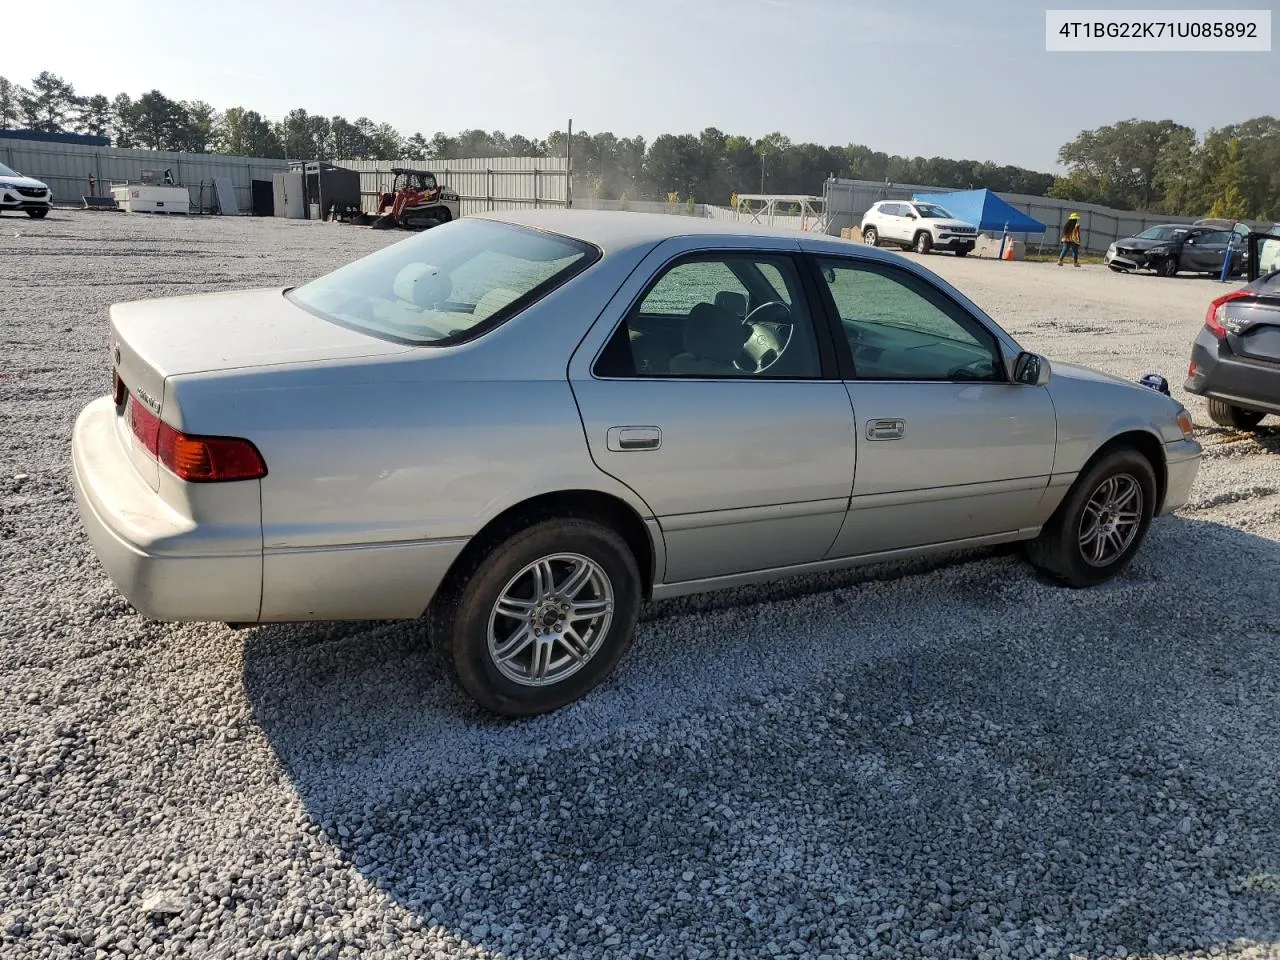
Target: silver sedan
[{"x": 521, "y": 426}]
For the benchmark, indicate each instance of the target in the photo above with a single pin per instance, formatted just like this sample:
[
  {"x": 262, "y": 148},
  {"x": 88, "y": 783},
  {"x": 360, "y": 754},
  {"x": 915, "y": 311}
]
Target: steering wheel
[
  {"x": 765, "y": 342},
  {"x": 979, "y": 369}
]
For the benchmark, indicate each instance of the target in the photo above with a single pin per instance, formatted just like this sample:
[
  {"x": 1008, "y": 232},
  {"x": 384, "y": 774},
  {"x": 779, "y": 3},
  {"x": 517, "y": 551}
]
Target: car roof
[{"x": 615, "y": 230}]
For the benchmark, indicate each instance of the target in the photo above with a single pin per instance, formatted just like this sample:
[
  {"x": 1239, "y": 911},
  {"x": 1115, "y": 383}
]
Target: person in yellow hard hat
[{"x": 1070, "y": 240}]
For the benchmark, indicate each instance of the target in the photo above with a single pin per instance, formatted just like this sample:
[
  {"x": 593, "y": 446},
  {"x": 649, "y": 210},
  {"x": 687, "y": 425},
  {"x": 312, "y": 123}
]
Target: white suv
[
  {"x": 23, "y": 193},
  {"x": 919, "y": 226}
]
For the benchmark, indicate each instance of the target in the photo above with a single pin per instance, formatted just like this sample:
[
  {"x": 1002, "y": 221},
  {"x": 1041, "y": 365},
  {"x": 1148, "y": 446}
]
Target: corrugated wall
[
  {"x": 67, "y": 167},
  {"x": 494, "y": 183}
]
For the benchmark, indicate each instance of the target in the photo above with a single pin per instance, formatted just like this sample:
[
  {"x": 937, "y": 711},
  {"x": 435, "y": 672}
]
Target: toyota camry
[{"x": 520, "y": 426}]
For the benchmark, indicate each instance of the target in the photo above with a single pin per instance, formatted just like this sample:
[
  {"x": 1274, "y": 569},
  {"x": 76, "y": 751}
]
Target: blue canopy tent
[{"x": 985, "y": 210}]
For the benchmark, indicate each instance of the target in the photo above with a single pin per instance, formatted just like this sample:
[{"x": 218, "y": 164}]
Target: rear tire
[
  {"x": 1226, "y": 415},
  {"x": 924, "y": 242},
  {"x": 37, "y": 214},
  {"x": 1114, "y": 498},
  {"x": 870, "y": 237},
  {"x": 484, "y": 620}
]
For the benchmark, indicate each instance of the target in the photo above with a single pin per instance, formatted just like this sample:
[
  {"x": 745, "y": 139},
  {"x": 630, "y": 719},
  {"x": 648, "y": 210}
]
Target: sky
[{"x": 965, "y": 80}]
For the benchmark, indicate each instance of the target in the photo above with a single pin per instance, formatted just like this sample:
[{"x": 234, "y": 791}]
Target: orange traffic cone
[{"x": 1008, "y": 250}]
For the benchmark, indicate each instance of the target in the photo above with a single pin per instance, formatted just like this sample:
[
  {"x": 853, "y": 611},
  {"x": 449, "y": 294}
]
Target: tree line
[{"x": 1154, "y": 166}]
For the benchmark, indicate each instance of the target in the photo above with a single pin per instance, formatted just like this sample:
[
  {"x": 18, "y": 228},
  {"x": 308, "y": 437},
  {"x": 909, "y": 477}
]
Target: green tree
[
  {"x": 417, "y": 147},
  {"x": 246, "y": 133},
  {"x": 11, "y": 95},
  {"x": 125, "y": 117},
  {"x": 304, "y": 136},
  {"x": 94, "y": 116},
  {"x": 161, "y": 122},
  {"x": 1116, "y": 164},
  {"x": 198, "y": 131},
  {"x": 49, "y": 105}
]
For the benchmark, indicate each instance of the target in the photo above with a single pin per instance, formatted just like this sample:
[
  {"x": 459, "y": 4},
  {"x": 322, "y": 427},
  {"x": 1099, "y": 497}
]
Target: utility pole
[
  {"x": 568, "y": 165},
  {"x": 762, "y": 171}
]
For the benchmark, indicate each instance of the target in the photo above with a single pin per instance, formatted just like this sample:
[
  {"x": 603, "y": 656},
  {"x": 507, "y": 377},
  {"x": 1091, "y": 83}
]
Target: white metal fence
[{"x": 495, "y": 183}]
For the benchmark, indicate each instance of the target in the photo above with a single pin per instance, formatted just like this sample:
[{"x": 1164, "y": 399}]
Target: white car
[
  {"x": 919, "y": 226},
  {"x": 23, "y": 193}
]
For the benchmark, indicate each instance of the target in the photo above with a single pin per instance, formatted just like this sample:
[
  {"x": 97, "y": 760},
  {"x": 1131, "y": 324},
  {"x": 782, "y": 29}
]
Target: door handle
[
  {"x": 886, "y": 429},
  {"x": 627, "y": 439}
]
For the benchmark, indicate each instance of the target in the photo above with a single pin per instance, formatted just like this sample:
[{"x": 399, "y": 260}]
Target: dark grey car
[
  {"x": 1235, "y": 361},
  {"x": 1172, "y": 248}
]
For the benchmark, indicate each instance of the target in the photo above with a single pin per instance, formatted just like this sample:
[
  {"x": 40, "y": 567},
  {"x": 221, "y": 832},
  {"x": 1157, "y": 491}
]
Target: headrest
[
  {"x": 422, "y": 285},
  {"x": 714, "y": 333},
  {"x": 734, "y": 302}
]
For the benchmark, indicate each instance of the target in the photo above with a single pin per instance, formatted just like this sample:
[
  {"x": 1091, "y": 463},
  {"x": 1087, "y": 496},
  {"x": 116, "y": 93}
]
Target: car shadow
[{"x": 926, "y": 763}]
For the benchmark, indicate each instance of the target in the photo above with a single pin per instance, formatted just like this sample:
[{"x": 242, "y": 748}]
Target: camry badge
[{"x": 149, "y": 400}]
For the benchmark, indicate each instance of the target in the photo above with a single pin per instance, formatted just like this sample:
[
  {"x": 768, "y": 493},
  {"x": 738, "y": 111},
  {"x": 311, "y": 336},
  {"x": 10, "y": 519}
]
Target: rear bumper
[
  {"x": 1182, "y": 463},
  {"x": 164, "y": 563},
  {"x": 1221, "y": 374}
]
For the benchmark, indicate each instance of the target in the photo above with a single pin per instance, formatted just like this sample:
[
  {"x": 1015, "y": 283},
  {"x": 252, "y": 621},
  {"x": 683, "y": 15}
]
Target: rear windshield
[{"x": 448, "y": 284}]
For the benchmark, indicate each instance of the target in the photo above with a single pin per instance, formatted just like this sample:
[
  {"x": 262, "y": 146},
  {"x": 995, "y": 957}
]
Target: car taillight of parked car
[
  {"x": 1217, "y": 312},
  {"x": 196, "y": 459}
]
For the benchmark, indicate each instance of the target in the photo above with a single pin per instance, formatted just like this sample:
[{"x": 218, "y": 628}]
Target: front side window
[
  {"x": 932, "y": 211},
  {"x": 718, "y": 315},
  {"x": 446, "y": 284},
  {"x": 899, "y": 327}
]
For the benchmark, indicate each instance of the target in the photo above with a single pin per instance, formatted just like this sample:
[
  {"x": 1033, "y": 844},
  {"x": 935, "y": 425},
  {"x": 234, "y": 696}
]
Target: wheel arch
[
  {"x": 610, "y": 510},
  {"x": 1144, "y": 442}
]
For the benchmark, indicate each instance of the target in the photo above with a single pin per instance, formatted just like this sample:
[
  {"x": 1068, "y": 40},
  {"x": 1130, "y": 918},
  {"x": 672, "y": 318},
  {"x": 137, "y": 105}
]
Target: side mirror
[
  {"x": 829, "y": 274},
  {"x": 1031, "y": 369},
  {"x": 913, "y": 216}
]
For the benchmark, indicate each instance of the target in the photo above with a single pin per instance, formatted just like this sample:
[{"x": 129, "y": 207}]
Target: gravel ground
[{"x": 945, "y": 759}]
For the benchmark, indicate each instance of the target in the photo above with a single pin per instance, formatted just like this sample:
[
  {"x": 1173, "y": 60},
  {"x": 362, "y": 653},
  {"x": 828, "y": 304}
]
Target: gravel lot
[{"x": 955, "y": 761}]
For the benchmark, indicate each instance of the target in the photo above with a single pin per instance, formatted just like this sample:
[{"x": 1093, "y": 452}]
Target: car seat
[{"x": 713, "y": 340}]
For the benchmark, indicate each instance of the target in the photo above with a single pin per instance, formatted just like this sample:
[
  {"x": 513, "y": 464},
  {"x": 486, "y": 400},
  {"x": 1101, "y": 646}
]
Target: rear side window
[{"x": 446, "y": 285}]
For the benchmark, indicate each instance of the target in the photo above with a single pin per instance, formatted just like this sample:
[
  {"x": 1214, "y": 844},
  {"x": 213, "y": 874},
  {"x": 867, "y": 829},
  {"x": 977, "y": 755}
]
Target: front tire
[
  {"x": 962, "y": 251},
  {"x": 1168, "y": 267},
  {"x": 38, "y": 214},
  {"x": 924, "y": 242},
  {"x": 1226, "y": 415},
  {"x": 1099, "y": 526},
  {"x": 540, "y": 618},
  {"x": 870, "y": 237}
]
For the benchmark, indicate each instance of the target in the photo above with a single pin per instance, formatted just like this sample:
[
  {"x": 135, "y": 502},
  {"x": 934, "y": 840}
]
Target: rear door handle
[
  {"x": 886, "y": 429},
  {"x": 628, "y": 439}
]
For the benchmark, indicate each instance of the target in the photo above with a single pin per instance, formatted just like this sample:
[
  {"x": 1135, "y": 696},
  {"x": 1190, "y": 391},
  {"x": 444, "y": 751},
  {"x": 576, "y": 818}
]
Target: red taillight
[
  {"x": 146, "y": 425},
  {"x": 196, "y": 459},
  {"x": 1218, "y": 310},
  {"x": 209, "y": 459}
]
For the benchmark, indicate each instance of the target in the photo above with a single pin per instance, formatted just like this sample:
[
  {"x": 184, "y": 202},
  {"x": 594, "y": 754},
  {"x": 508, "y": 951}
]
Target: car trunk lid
[
  {"x": 152, "y": 340},
  {"x": 1253, "y": 325}
]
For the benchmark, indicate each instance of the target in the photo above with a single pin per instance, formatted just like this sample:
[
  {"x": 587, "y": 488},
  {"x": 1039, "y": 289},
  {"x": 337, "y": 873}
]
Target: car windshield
[
  {"x": 8, "y": 171},
  {"x": 441, "y": 285},
  {"x": 1162, "y": 233},
  {"x": 933, "y": 211}
]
